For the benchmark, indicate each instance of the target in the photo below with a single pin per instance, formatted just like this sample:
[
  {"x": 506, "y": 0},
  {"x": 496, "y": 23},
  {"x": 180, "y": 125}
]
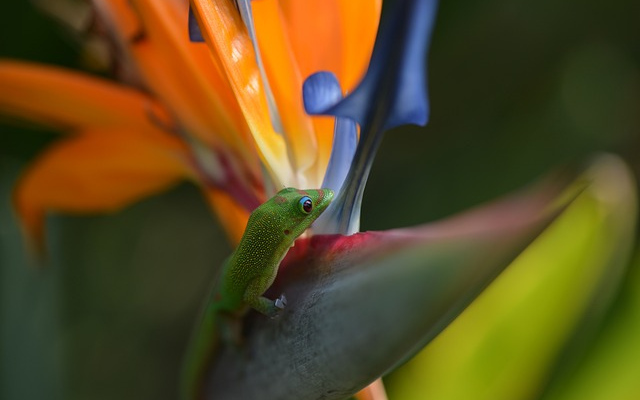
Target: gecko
[{"x": 271, "y": 230}]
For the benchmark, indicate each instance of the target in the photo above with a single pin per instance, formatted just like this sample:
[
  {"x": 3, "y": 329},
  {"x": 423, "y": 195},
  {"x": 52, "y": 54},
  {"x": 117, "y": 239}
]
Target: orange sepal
[
  {"x": 97, "y": 171},
  {"x": 375, "y": 391},
  {"x": 346, "y": 30},
  {"x": 232, "y": 216},
  {"x": 71, "y": 100},
  {"x": 231, "y": 47},
  {"x": 190, "y": 82},
  {"x": 299, "y": 38},
  {"x": 191, "y": 69},
  {"x": 286, "y": 81},
  {"x": 359, "y": 21}
]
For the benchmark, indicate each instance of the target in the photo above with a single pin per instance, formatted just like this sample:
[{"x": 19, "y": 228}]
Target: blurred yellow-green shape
[
  {"x": 508, "y": 342},
  {"x": 611, "y": 368}
]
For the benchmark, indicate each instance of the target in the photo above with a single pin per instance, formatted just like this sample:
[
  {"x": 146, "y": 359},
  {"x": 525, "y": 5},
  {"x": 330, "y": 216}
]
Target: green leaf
[{"x": 510, "y": 341}]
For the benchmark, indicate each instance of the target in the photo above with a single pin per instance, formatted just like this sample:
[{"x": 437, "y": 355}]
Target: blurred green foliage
[
  {"x": 517, "y": 87},
  {"x": 533, "y": 323}
]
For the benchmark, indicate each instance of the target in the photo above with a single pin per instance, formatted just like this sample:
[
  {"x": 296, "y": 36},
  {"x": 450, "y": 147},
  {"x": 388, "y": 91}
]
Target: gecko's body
[{"x": 271, "y": 230}]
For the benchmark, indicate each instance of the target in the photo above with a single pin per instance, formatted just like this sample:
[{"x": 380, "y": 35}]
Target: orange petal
[
  {"x": 66, "y": 99},
  {"x": 230, "y": 45},
  {"x": 200, "y": 84},
  {"x": 286, "y": 81},
  {"x": 232, "y": 217},
  {"x": 97, "y": 171},
  {"x": 375, "y": 391},
  {"x": 183, "y": 75},
  {"x": 332, "y": 35},
  {"x": 299, "y": 38},
  {"x": 188, "y": 79},
  {"x": 356, "y": 21},
  {"x": 159, "y": 71},
  {"x": 323, "y": 127},
  {"x": 315, "y": 33},
  {"x": 359, "y": 21}
]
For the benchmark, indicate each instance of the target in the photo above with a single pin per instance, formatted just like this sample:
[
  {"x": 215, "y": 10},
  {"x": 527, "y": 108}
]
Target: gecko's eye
[{"x": 306, "y": 204}]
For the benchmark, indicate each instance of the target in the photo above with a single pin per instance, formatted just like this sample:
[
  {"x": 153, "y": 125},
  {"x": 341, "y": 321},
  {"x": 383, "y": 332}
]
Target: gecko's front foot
[
  {"x": 268, "y": 307},
  {"x": 281, "y": 302}
]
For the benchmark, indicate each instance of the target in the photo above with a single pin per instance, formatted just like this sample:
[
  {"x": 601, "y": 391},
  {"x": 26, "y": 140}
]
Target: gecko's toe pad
[{"x": 281, "y": 302}]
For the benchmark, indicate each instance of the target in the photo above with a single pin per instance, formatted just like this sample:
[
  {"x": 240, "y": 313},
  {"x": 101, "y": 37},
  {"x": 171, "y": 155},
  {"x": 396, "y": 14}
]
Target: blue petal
[
  {"x": 395, "y": 82},
  {"x": 318, "y": 93},
  {"x": 195, "y": 34},
  {"x": 392, "y": 93},
  {"x": 345, "y": 140},
  {"x": 321, "y": 91}
]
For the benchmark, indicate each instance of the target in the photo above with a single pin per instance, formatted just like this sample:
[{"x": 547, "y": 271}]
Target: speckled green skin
[{"x": 247, "y": 274}]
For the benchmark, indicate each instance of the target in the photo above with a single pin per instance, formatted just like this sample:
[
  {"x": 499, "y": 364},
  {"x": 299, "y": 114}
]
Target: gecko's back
[{"x": 271, "y": 230}]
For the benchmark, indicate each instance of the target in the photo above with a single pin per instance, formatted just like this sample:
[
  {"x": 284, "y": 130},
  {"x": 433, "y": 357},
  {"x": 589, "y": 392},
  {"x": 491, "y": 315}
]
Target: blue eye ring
[{"x": 306, "y": 204}]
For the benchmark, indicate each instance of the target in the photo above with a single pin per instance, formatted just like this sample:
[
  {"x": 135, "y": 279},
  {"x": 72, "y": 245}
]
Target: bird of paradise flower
[
  {"x": 232, "y": 115},
  {"x": 203, "y": 114}
]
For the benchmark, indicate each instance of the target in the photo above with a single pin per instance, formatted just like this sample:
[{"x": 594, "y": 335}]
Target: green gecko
[{"x": 271, "y": 230}]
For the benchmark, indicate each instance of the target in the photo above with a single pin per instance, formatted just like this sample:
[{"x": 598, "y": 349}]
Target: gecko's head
[{"x": 299, "y": 208}]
